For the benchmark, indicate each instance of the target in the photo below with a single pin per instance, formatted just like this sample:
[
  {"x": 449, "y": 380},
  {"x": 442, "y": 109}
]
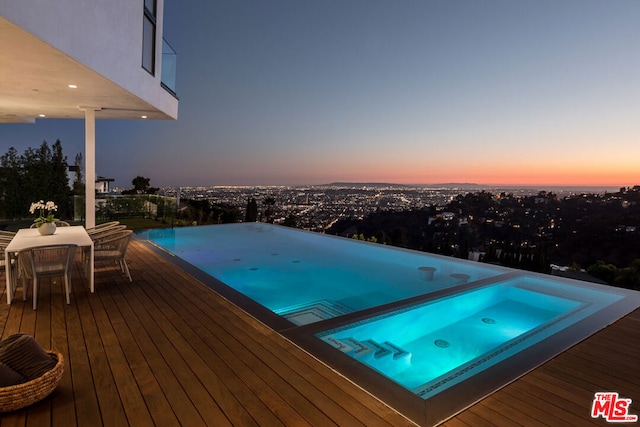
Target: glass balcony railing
[
  {"x": 115, "y": 207},
  {"x": 169, "y": 63}
]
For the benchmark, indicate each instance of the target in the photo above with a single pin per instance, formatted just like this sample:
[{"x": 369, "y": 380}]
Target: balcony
[{"x": 169, "y": 64}]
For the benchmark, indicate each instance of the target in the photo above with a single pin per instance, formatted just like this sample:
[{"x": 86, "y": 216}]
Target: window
[
  {"x": 150, "y": 5},
  {"x": 149, "y": 36}
]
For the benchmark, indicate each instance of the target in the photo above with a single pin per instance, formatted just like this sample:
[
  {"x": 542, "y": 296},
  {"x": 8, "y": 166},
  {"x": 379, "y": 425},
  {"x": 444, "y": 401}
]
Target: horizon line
[{"x": 442, "y": 184}]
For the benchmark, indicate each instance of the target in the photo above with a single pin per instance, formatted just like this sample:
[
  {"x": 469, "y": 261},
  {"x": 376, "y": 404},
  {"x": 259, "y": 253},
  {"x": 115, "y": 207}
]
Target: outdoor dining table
[{"x": 30, "y": 237}]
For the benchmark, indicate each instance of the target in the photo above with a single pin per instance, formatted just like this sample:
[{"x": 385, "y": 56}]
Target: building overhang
[{"x": 35, "y": 81}]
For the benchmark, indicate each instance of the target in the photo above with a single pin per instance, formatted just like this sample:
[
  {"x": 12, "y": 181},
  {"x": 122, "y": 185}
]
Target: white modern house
[
  {"x": 87, "y": 60},
  {"x": 103, "y": 184}
]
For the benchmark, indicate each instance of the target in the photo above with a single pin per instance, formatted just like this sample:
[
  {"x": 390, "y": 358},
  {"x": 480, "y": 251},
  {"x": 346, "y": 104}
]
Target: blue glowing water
[
  {"x": 309, "y": 276},
  {"x": 446, "y": 340}
]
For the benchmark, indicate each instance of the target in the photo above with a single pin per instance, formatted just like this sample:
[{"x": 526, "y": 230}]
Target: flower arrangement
[{"x": 43, "y": 207}]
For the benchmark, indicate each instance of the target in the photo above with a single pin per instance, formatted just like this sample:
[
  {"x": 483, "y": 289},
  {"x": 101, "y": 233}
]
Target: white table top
[{"x": 30, "y": 237}]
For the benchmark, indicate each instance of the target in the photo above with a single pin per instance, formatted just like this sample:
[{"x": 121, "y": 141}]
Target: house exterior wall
[{"x": 105, "y": 36}]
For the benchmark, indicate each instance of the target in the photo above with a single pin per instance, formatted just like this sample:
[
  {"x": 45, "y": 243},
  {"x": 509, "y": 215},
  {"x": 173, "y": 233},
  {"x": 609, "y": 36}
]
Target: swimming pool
[
  {"x": 437, "y": 344},
  {"x": 427, "y": 334},
  {"x": 307, "y": 277}
]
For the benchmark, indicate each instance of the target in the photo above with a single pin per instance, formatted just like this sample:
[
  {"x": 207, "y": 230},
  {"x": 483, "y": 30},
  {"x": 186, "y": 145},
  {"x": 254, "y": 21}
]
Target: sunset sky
[{"x": 301, "y": 92}]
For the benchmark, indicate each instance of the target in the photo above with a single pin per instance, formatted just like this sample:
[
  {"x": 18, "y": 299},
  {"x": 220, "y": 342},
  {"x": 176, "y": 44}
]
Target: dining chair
[
  {"x": 46, "y": 261},
  {"x": 114, "y": 248},
  {"x": 103, "y": 226},
  {"x": 100, "y": 228},
  {"x": 5, "y": 239},
  {"x": 101, "y": 232},
  {"x": 105, "y": 232},
  {"x": 4, "y": 242}
]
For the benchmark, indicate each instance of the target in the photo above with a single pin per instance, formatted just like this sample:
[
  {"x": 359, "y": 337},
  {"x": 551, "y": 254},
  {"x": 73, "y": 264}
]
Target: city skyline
[{"x": 302, "y": 93}]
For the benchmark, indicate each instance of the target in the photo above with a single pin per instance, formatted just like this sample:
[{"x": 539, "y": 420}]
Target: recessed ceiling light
[
  {"x": 73, "y": 86},
  {"x": 143, "y": 117},
  {"x": 41, "y": 115}
]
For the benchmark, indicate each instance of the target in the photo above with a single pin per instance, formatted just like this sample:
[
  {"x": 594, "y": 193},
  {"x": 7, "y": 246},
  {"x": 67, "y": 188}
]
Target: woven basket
[{"x": 22, "y": 395}]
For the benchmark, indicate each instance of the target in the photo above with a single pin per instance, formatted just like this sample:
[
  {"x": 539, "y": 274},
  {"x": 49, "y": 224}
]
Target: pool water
[
  {"x": 307, "y": 277},
  {"x": 434, "y": 345},
  {"x": 428, "y": 334}
]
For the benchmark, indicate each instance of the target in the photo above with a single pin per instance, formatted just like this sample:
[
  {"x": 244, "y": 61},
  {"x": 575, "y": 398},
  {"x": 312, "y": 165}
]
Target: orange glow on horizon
[{"x": 543, "y": 175}]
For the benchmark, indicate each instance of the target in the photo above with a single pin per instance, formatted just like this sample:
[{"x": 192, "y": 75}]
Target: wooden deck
[
  {"x": 166, "y": 350},
  {"x": 561, "y": 391}
]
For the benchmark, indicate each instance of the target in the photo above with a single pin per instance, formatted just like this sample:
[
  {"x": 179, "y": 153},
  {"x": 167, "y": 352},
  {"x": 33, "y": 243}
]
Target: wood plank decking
[
  {"x": 561, "y": 391},
  {"x": 166, "y": 350}
]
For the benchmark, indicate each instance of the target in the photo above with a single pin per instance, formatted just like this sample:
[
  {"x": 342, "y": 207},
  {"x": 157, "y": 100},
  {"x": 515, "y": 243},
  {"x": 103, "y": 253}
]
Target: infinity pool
[
  {"x": 410, "y": 327},
  {"x": 306, "y": 277}
]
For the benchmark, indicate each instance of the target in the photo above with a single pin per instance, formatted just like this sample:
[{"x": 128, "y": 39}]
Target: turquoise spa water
[
  {"x": 426, "y": 347},
  {"x": 432, "y": 346}
]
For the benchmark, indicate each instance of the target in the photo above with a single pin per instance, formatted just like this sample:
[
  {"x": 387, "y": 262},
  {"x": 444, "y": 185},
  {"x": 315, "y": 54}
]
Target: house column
[{"x": 90, "y": 165}]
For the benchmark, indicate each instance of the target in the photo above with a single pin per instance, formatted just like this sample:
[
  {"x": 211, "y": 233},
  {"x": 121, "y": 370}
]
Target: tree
[
  {"x": 269, "y": 204},
  {"x": 59, "y": 183},
  {"x": 251, "y": 214},
  {"x": 291, "y": 220},
  {"x": 141, "y": 186},
  {"x": 39, "y": 174},
  {"x": 12, "y": 198},
  {"x": 628, "y": 278},
  {"x": 78, "y": 185}
]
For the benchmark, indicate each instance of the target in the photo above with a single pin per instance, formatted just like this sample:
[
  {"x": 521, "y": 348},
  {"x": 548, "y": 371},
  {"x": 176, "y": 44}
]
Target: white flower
[
  {"x": 36, "y": 205},
  {"x": 43, "y": 217}
]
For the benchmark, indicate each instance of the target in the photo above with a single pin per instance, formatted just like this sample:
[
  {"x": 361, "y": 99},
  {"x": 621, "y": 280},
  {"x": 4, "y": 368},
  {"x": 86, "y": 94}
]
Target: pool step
[
  {"x": 378, "y": 349},
  {"x": 316, "y": 311},
  {"x": 398, "y": 353},
  {"x": 370, "y": 349}
]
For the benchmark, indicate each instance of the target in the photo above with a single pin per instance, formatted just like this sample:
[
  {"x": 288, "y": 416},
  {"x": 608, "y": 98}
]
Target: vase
[{"x": 47, "y": 228}]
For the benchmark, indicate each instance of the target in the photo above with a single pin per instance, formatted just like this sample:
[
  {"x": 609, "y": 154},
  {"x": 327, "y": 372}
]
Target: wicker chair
[
  {"x": 4, "y": 242},
  {"x": 103, "y": 226},
  {"x": 5, "y": 239},
  {"x": 46, "y": 261},
  {"x": 105, "y": 232},
  {"x": 114, "y": 248}
]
